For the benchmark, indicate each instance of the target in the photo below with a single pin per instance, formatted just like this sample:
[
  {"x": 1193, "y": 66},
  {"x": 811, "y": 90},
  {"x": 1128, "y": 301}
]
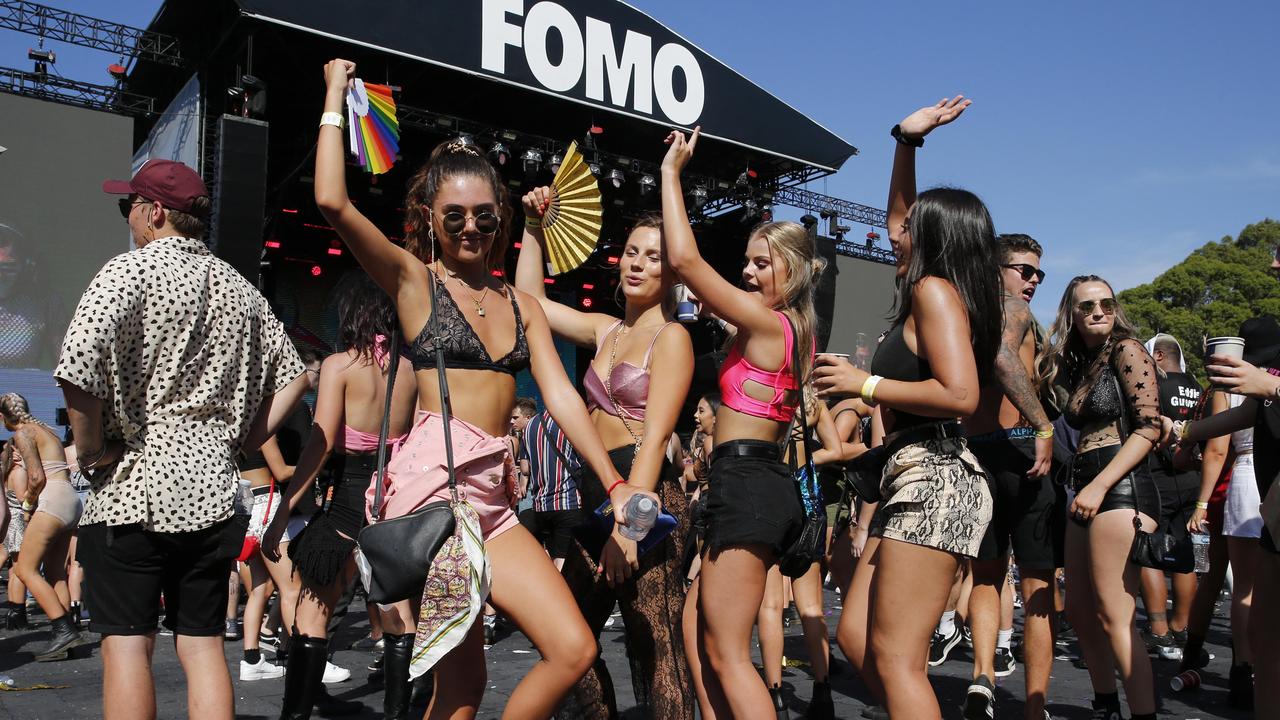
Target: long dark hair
[
  {"x": 952, "y": 237},
  {"x": 364, "y": 313},
  {"x": 451, "y": 159}
]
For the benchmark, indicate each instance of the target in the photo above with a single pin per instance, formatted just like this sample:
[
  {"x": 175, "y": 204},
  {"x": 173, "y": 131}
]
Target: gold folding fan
[{"x": 572, "y": 223}]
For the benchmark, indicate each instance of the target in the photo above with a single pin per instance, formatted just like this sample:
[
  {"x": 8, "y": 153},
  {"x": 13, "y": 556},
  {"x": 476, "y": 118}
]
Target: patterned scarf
[{"x": 455, "y": 593}]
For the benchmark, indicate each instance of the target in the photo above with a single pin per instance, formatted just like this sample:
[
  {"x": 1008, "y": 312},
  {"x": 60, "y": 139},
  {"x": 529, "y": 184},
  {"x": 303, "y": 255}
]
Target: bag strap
[
  {"x": 446, "y": 407},
  {"x": 803, "y": 412},
  {"x": 385, "y": 428},
  {"x": 1122, "y": 424}
]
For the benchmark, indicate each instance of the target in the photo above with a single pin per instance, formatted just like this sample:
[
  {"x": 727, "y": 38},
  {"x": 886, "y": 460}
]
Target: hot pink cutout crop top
[
  {"x": 630, "y": 383},
  {"x": 736, "y": 371}
]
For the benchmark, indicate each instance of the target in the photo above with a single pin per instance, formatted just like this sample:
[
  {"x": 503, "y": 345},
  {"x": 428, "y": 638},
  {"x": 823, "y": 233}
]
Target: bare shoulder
[{"x": 933, "y": 293}]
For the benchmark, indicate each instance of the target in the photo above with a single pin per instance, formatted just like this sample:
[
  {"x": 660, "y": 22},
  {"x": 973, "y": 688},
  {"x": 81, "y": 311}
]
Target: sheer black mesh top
[
  {"x": 462, "y": 347},
  {"x": 1094, "y": 398}
]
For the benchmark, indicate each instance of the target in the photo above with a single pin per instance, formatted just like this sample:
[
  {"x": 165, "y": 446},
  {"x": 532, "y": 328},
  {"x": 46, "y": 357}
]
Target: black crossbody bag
[
  {"x": 400, "y": 550},
  {"x": 1161, "y": 549},
  {"x": 811, "y": 545}
]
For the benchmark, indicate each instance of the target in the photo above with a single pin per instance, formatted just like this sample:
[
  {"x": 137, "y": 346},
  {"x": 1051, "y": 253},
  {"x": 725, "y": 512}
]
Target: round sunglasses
[
  {"x": 1108, "y": 306},
  {"x": 455, "y": 222}
]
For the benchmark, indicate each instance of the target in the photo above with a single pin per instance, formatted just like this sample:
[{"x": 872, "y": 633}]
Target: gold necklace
[{"x": 479, "y": 304}]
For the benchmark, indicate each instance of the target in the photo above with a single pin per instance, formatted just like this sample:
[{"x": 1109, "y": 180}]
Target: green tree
[{"x": 1211, "y": 292}]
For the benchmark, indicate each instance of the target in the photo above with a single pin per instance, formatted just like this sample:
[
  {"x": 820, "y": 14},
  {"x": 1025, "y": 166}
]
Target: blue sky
[{"x": 1121, "y": 135}]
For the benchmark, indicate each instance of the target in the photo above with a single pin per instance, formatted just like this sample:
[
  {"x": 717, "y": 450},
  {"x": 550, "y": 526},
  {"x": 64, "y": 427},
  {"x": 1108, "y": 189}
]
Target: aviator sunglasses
[
  {"x": 1108, "y": 306},
  {"x": 1027, "y": 271},
  {"x": 455, "y": 222}
]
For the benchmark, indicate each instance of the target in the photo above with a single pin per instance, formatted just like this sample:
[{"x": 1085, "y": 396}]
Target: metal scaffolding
[
  {"x": 54, "y": 24},
  {"x": 72, "y": 92}
]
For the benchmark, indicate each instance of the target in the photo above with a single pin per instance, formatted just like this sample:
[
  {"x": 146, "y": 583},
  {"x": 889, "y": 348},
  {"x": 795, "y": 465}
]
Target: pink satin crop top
[
  {"x": 737, "y": 371},
  {"x": 630, "y": 384}
]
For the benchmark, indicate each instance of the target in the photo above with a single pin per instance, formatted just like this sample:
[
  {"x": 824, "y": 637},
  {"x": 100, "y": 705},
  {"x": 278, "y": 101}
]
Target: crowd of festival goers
[{"x": 978, "y": 461}]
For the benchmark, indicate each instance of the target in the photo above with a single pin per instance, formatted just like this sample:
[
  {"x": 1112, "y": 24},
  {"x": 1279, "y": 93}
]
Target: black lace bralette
[{"x": 462, "y": 347}]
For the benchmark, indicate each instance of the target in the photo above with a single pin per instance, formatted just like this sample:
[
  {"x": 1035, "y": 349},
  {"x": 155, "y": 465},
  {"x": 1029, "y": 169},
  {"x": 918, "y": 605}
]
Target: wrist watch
[{"x": 896, "y": 134}]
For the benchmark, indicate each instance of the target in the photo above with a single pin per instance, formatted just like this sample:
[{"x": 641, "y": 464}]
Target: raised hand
[
  {"x": 680, "y": 151},
  {"x": 339, "y": 72},
  {"x": 923, "y": 121},
  {"x": 536, "y": 202}
]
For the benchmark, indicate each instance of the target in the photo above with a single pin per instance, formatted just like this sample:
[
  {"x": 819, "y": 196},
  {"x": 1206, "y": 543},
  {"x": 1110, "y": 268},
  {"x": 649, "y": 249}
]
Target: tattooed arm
[{"x": 1015, "y": 380}]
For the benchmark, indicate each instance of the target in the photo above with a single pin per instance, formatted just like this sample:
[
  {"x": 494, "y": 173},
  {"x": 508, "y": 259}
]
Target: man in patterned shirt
[{"x": 172, "y": 364}]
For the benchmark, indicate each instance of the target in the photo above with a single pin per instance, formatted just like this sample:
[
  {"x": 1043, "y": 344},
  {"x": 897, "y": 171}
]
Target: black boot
[
  {"x": 821, "y": 706},
  {"x": 779, "y": 707},
  {"x": 65, "y": 637},
  {"x": 74, "y": 614},
  {"x": 302, "y": 675},
  {"x": 398, "y": 650},
  {"x": 16, "y": 619},
  {"x": 1240, "y": 687}
]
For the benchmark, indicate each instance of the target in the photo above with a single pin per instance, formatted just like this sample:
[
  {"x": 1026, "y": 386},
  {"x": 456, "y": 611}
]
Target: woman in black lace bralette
[
  {"x": 457, "y": 217},
  {"x": 1115, "y": 404}
]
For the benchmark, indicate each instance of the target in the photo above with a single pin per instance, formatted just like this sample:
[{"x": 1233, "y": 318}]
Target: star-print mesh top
[
  {"x": 1094, "y": 403},
  {"x": 182, "y": 350}
]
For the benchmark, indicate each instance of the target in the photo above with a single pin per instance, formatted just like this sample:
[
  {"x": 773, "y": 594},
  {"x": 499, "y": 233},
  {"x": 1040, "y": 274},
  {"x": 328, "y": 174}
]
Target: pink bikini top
[
  {"x": 355, "y": 442},
  {"x": 736, "y": 372},
  {"x": 630, "y": 384}
]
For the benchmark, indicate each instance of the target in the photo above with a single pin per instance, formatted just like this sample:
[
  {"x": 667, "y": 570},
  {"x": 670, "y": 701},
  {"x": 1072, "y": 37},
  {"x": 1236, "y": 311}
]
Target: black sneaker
[
  {"x": 1108, "y": 711},
  {"x": 968, "y": 636},
  {"x": 942, "y": 645},
  {"x": 1064, "y": 633},
  {"x": 980, "y": 700},
  {"x": 1164, "y": 646},
  {"x": 1004, "y": 663}
]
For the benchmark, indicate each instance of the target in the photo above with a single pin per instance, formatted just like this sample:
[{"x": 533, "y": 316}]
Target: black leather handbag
[
  {"x": 400, "y": 550},
  {"x": 1162, "y": 549},
  {"x": 811, "y": 544}
]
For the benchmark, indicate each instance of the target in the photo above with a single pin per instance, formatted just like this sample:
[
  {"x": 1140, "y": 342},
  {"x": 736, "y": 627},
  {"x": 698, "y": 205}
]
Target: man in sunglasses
[
  {"x": 1012, "y": 436},
  {"x": 172, "y": 364}
]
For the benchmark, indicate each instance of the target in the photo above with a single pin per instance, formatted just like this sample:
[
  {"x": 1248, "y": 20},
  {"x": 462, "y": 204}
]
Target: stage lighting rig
[
  {"x": 698, "y": 197},
  {"x": 532, "y": 161},
  {"x": 500, "y": 153},
  {"x": 556, "y": 159},
  {"x": 42, "y": 59},
  {"x": 616, "y": 177},
  {"x": 647, "y": 185}
]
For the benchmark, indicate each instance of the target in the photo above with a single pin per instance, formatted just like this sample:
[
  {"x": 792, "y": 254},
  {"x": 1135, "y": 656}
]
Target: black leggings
[{"x": 652, "y": 603}]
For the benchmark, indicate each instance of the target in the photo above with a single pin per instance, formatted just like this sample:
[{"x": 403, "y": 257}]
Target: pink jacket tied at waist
[{"x": 418, "y": 473}]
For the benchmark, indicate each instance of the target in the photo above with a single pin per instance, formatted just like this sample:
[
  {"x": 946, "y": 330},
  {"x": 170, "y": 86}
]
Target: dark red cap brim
[{"x": 117, "y": 187}]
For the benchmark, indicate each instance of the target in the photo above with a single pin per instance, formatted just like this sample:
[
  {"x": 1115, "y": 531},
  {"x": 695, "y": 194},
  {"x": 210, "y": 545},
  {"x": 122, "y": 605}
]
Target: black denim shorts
[
  {"x": 752, "y": 501},
  {"x": 1136, "y": 490}
]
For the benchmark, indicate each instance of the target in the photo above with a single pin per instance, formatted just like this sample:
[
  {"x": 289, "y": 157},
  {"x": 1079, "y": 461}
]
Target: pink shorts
[{"x": 418, "y": 474}]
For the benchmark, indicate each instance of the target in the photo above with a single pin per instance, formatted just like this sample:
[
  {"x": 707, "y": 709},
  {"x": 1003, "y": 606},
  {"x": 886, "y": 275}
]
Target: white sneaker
[
  {"x": 262, "y": 670},
  {"x": 335, "y": 674}
]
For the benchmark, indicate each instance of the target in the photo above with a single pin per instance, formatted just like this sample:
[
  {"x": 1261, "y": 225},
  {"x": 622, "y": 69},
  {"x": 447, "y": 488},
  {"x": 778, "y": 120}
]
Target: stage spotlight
[
  {"x": 532, "y": 160},
  {"x": 698, "y": 197},
  {"x": 251, "y": 82},
  {"x": 556, "y": 159},
  {"x": 119, "y": 72},
  {"x": 465, "y": 139},
  {"x": 872, "y": 237},
  {"x": 750, "y": 207},
  {"x": 235, "y": 91},
  {"x": 42, "y": 58},
  {"x": 586, "y": 302},
  {"x": 766, "y": 213},
  {"x": 316, "y": 271},
  {"x": 617, "y": 178},
  {"x": 499, "y": 153},
  {"x": 647, "y": 184},
  {"x": 594, "y": 168}
]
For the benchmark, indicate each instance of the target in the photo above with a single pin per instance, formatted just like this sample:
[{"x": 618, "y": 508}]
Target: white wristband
[{"x": 331, "y": 118}]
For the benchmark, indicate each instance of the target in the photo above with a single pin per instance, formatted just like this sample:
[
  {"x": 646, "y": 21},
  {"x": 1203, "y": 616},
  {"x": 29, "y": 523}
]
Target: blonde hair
[{"x": 790, "y": 243}]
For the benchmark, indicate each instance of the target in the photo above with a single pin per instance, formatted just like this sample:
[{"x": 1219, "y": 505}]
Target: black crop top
[
  {"x": 462, "y": 347},
  {"x": 895, "y": 361},
  {"x": 1095, "y": 398}
]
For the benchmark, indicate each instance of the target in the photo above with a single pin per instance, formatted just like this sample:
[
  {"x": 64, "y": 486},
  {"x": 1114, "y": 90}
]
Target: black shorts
[
  {"x": 126, "y": 569},
  {"x": 752, "y": 501},
  {"x": 1135, "y": 491},
  {"x": 1028, "y": 514},
  {"x": 1178, "y": 495},
  {"x": 552, "y": 528}
]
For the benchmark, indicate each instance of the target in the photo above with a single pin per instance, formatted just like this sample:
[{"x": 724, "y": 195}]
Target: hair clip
[{"x": 459, "y": 145}]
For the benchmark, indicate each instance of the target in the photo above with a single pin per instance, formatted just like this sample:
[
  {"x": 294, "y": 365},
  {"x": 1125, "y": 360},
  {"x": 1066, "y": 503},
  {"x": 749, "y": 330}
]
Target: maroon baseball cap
[{"x": 175, "y": 185}]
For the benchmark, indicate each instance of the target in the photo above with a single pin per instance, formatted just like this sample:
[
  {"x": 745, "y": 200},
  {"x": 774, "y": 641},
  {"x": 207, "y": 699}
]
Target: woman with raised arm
[
  {"x": 942, "y": 345},
  {"x": 458, "y": 222},
  {"x": 753, "y": 507},
  {"x": 1115, "y": 404},
  {"x": 51, "y": 510},
  {"x": 348, "y": 417},
  {"x": 634, "y": 417}
]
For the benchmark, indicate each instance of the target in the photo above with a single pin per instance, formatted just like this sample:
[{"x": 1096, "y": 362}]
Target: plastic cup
[
  {"x": 1187, "y": 680},
  {"x": 686, "y": 312},
  {"x": 1227, "y": 346}
]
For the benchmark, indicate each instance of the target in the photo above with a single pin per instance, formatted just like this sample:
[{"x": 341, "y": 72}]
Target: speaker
[{"x": 239, "y": 196}]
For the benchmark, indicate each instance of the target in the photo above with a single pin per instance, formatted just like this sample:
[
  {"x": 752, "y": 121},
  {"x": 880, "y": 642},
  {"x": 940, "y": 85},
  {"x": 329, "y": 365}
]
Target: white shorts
[
  {"x": 1242, "y": 513},
  {"x": 260, "y": 518}
]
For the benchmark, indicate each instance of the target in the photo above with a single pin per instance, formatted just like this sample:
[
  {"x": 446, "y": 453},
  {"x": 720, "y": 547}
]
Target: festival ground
[{"x": 76, "y": 684}]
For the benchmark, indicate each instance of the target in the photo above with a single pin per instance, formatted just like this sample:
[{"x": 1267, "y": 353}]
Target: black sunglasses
[
  {"x": 455, "y": 222},
  {"x": 1108, "y": 306},
  {"x": 1027, "y": 271},
  {"x": 126, "y": 205}
]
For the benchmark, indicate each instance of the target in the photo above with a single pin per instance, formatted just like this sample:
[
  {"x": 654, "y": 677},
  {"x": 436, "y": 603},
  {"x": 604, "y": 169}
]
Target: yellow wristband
[
  {"x": 868, "y": 391},
  {"x": 1044, "y": 434},
  {"x": 27, "y": 506},
  {"x": 331, "y": 118},
  {"x": 531, "y": 222},
  {"x": 1202, "y": 505}
]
